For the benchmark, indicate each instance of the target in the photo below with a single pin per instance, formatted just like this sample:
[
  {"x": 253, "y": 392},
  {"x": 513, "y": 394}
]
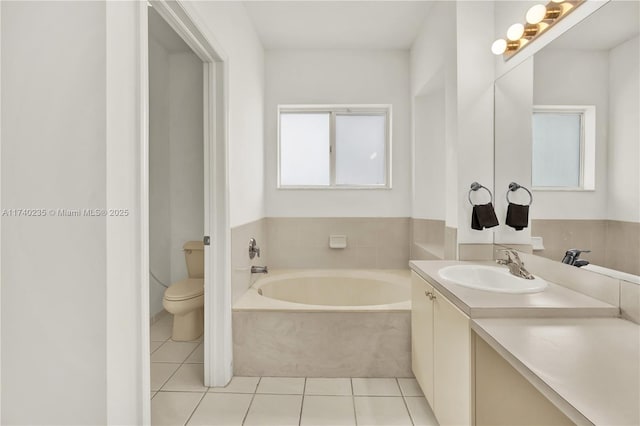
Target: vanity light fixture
[
  {"x": 539, "y": 18},
  {"x": 515, "y": 32}
]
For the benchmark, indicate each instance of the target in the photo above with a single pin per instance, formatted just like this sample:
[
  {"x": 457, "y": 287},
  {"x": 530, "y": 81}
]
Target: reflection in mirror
[{"x": 567, "y": 127}]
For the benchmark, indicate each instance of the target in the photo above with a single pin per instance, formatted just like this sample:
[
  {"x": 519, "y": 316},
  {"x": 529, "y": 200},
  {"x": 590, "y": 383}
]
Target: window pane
[
  {"x": 304, "y": 149},
  {"x": 556, "y": 150},
  {"x": 360, "y": 149}
]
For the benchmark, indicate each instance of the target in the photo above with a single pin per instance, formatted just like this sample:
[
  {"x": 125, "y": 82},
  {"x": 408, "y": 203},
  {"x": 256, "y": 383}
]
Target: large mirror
[{"x": 567, "y": 128}]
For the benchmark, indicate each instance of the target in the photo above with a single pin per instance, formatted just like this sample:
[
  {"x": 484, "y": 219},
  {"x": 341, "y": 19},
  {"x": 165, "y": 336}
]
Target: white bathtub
[
  {"x": 329, "y": 290},
  {"x": 324, "y": 323}
]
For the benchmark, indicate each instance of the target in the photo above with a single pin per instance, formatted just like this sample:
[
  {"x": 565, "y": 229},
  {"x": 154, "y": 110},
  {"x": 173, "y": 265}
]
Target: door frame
[{"x": 217, "y": 301}]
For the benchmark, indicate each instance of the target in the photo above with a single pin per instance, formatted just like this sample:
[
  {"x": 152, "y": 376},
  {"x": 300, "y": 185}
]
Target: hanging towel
[
  {"x": 517, "y": 216},
  {"x": 483, "y": 216}
]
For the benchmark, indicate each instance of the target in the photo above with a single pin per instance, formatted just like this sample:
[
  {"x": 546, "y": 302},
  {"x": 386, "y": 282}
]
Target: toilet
[{"x": 185, "y": 299}]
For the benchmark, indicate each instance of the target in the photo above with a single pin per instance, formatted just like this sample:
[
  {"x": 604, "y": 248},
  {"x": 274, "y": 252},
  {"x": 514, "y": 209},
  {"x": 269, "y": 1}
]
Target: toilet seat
[{"x": 185, "y": 289}]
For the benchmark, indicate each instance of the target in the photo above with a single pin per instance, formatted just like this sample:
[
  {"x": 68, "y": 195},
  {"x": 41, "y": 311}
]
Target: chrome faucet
[
  {"x": 259, "y": 270},
  {"x": 515, "y": 264}
]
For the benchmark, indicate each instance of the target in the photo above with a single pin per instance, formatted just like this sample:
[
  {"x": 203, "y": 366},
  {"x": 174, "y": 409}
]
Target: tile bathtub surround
[
  {"x": 613, "y": 244},
  {"x": 427, "y": 239},
  {"x": 623, "y": 246},
  {"x": 240, "y": 262},
  {"x": 630, "y": 301},
  {"x": 381, "y": 243},
  {"x": 322, "y": 344},
  {"x": 592, "y": 284},
  {"x": 450, "y": 243},
  {"x": 341, "y": 401}
]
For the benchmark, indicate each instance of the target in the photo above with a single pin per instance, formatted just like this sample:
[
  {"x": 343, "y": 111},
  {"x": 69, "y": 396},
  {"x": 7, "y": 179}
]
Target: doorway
[{"x": 187, "y": 161}]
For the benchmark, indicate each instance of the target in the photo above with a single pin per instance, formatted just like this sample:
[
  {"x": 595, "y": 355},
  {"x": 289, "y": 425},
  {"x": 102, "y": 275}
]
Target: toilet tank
[{"x": 194, "y": 256}]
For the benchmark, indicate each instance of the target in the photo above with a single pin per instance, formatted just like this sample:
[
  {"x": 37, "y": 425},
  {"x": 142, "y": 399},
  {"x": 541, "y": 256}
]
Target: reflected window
[
  {"x": 334, "y": 146},
  {"x": 563, "y": 156}
]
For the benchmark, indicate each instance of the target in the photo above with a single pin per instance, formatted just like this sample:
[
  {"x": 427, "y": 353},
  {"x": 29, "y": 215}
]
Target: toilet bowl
[{"x": 185, "y": 298}]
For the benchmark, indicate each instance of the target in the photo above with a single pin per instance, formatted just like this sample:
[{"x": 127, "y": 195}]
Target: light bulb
[
  {"x": 499, "y": 46},
  {"x": 515, "y": 32},
  {"x": 536, "y": 13}
]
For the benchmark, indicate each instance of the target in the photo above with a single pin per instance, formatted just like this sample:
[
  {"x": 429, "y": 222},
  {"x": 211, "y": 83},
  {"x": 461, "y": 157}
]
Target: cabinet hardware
[{"x": 430, "y": 295}]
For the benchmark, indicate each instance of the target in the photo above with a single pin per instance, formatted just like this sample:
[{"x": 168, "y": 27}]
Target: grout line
[
  {"x": 196, "y": 408},
  {"x": 353, "y": 401},
  {"x": 179, "y": 367},
  {"x": 304, "y": 389},
  {"x": 404, "y": 401},
  {"x": 251, "y": 402}
]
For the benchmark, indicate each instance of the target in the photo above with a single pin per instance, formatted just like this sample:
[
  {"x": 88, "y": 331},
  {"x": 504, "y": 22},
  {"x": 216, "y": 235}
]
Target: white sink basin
[{"x": 491, "y": 278}]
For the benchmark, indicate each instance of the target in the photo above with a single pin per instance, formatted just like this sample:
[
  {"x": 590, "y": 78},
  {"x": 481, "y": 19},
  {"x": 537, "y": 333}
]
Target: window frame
[
  {"x": 333, "y": 110},
  {"x": 587, "y": 146}
]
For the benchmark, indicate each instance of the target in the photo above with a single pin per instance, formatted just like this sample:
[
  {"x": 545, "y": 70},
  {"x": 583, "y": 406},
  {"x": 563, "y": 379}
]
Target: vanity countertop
[
  {"x": 587, "y": 367},
  {"x": 555, "y": 301}
]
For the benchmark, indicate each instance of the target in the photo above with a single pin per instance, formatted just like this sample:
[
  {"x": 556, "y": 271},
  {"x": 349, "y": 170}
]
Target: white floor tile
[
  {"x": 172, "y": 351},
  {"x": 173, "y": 408},
  {"x": 221, "y": 409},
  {"x": 153, "y": 346},
  {"x": 238, "y": 385},
  {"x": 420, "y": 411},
  {"x": 274, "y": 410},
  {"x": 318, "y": 386},
  {"x": 410, "y": 387},
  {"x": 382, "y": 411},
  {"x": 376, "y": 387},
  {"x": 160, "y": 373},
  {"x": 161, "y": 329},
  {"x": 327, "y": 411},
  {"x": 188, "y": 378},
  {"x": 197, "y": 356},
  {"x": 281, "y": 385}
]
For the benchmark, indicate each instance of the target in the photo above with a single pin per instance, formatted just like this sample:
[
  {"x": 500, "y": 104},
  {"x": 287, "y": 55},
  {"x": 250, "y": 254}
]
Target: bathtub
[{"x": 324, "y": 323}]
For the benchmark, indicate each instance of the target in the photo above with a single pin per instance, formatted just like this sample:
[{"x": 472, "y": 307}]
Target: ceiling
[
  {"x": 337, "y": 24},
  {"x": 612, "y": 24},
  {"x": 164, "y": 34}
]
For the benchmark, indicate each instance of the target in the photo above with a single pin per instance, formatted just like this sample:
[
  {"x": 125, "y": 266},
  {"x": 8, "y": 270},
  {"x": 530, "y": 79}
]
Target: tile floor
[{"x": 179, "y": 397}]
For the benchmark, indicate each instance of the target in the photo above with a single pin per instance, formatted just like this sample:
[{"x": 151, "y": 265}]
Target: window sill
[
  {"x": 332, "y": 188},
  {"x": 542, "y": 189}
]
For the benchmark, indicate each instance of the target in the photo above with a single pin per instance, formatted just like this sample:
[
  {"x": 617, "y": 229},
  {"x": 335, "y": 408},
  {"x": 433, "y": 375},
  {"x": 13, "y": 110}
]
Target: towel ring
[
  {"x": 513, "y": 187},
  {"x": 474, "y": 187}
]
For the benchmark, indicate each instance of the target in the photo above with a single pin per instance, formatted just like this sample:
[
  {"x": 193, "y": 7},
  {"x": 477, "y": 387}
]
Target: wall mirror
[{"x": 567, "y": 127}]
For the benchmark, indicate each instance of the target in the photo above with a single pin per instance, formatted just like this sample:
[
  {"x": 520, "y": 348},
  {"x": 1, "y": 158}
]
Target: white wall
[
  {"x": 230, "y": 24},
  {"x": 575, "y": 77},
  {"x": 429, "y": 155},
  {"x": 624, "y": 132},
  {"x": 186, "y": 156},
  {"x": 475, "y": 76},
  {"x": 54, "y": 293},
  {"x": 339, "y": 77},
  {"x": 433, "y": 69},
  {"x": 513, "y": 152},
  {"x": 176, "y": 175},
  {"x": 159, "y": 176}
]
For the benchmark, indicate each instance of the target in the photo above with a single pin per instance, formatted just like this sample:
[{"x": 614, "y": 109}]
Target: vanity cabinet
[{"x": 441, "y": 353}]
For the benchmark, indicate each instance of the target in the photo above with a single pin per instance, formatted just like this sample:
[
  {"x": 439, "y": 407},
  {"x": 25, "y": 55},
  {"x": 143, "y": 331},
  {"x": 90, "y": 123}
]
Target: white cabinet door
[
  {"x": 452, "y": 363},
  {"x": 422, "y": 334}
]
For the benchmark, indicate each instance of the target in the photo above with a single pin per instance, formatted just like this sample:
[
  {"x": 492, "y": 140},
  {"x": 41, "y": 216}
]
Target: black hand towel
[
  {"x": 517, "y": 216},
  {"x": 483, "y": 216}
]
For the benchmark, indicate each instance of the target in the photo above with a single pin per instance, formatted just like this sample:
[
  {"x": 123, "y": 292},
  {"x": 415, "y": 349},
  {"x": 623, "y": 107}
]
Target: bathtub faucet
[{"x": 259, "y": 270}]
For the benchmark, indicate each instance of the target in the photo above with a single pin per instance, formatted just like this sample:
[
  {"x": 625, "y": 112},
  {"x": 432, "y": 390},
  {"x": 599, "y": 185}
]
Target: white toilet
[{"x": 185, "y": 299}]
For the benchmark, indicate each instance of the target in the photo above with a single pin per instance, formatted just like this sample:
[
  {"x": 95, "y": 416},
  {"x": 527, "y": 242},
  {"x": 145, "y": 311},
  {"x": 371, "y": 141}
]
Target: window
[
  {"x": 563, "y": 156},
  {"x": 334, "y": 146}
]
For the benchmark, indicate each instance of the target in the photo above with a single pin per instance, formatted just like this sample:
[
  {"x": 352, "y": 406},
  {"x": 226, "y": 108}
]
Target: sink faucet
[
  {"x": 259, "y": 270},
  {"x": 515, "y": 264}
]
